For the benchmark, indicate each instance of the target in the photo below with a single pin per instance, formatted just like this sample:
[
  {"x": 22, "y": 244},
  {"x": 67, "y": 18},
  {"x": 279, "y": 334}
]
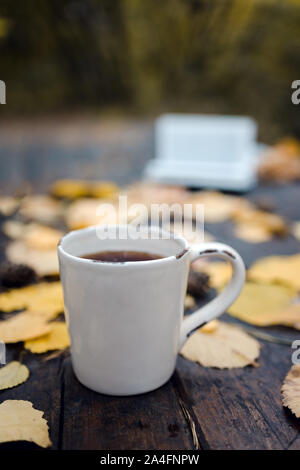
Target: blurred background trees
[{"x": 150, "y": 56}]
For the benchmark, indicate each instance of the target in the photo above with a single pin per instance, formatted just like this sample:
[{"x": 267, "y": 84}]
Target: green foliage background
[{"x": 148, "y": 56}]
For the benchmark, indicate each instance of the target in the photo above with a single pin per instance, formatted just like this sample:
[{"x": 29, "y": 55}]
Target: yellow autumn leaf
[
  {"x": 23, "y": 326},
  {"x": 74, "y": 189},
  {"x": 189, "y": 302},
  {"x": 8, "y": 205},
  {"x": 291, "y": 390},
  {"x": 252, "y": 233},
  {"x": 13, "y": 374},
  {"x": 264, "y": 304},
  {"x": 218, "y": 207},
  {"x": 44, "y": 298},
  {"x": 223, "y": 346},
  {"x": 40, "y": 237},
  {"x": 103, "y": 189},
  {"x": 85, "y": 213},
  {"x": 277, "y": 269},
  {"x": 82, "y": 213},
  {"x": 57, "y": 338},
  {"x": 13, "y": 229},
  {"x": 45, "y": 262},
  {"x": 268, "y": 221},
  {"x": 210, "y": 327},
  {"x": 35, "y": 236},
  {"x": 41, "y": 208},
  {"x": 69, "y": 189},
  {"x": 19, "y": 421}
]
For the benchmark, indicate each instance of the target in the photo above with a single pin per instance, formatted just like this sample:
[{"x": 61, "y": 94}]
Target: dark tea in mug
[{"x": 121, "y": 256}]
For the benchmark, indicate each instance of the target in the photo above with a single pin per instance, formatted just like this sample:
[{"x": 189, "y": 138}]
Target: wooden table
[{"x": 198, "y": 408}]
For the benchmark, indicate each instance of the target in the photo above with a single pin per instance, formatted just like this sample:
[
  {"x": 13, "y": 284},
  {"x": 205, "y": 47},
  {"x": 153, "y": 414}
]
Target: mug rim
[{"x": 185, "y": 248}]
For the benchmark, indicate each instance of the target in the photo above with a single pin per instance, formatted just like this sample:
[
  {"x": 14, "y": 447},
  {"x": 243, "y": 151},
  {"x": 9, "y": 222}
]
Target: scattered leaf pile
[
  {"x": 35, "y": 226},
  {"x": 43, "y": 299},
  {"x": 34, "y": 245}
]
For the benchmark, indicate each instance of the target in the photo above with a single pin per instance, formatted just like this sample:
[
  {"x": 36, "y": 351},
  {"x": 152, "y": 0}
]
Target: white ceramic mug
[{"x": 126, "y": 320}]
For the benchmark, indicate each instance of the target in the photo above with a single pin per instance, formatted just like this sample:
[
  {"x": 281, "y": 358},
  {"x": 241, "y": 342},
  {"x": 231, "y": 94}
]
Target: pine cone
[
  {"x": 16, "y": 275},
  {"x": 198, "y": 284}
]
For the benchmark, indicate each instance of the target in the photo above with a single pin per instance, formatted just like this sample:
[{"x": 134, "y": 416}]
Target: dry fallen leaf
[
  {"x": 271, "y": 222},
  {"x": 224, "y": 347},
  {"x": 57, "y": 338},
  {"x": 13, "y": 229},
  {"x": 69, "y": 189},
  {"x": 83, "y": 213},
  {"x": 23, "y": 326},
  {"x": 189, "y": 302},
  {"x": 19, "y": 421},
  {"x": 36, "y": 236},
  {"x": 277, "y": 269},
  {"x": 45, "y": 263},
  {"x": 210, "y": 327},
  {"x": 281, "y": 162},
  {"x": 74, "y": 189},
  {"x": 290, "y": 316},
  {"x": 41, "y": 237},
  {"x": 41, "y": 208},
  {"x": 265, "y": 304},
  {"x": 103, "y": 189},
  {"x": 218, "y": 207},
  {"x": 291, "y": 390},
  {"x": 252, "y": 233},
  {"x": 13, "y": 374},
  {"x": 8, "y": 205},
  {"x": 87, "y": 212},
  {"x": 44, "y": 299},
  {"x": 257, "y": 226}
]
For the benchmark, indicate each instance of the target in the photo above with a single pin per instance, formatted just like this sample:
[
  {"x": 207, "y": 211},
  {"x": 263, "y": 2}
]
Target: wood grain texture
[{"x": 149, "y": 421}]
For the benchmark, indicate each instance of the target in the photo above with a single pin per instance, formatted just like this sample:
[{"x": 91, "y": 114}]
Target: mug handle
[{"x": 218, "y": 305}]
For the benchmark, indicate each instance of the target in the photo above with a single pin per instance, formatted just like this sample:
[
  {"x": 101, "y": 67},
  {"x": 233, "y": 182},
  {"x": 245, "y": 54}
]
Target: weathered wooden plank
[
  {"x": 239, "y": 409},
  {"x": 93, "y": 421}
]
